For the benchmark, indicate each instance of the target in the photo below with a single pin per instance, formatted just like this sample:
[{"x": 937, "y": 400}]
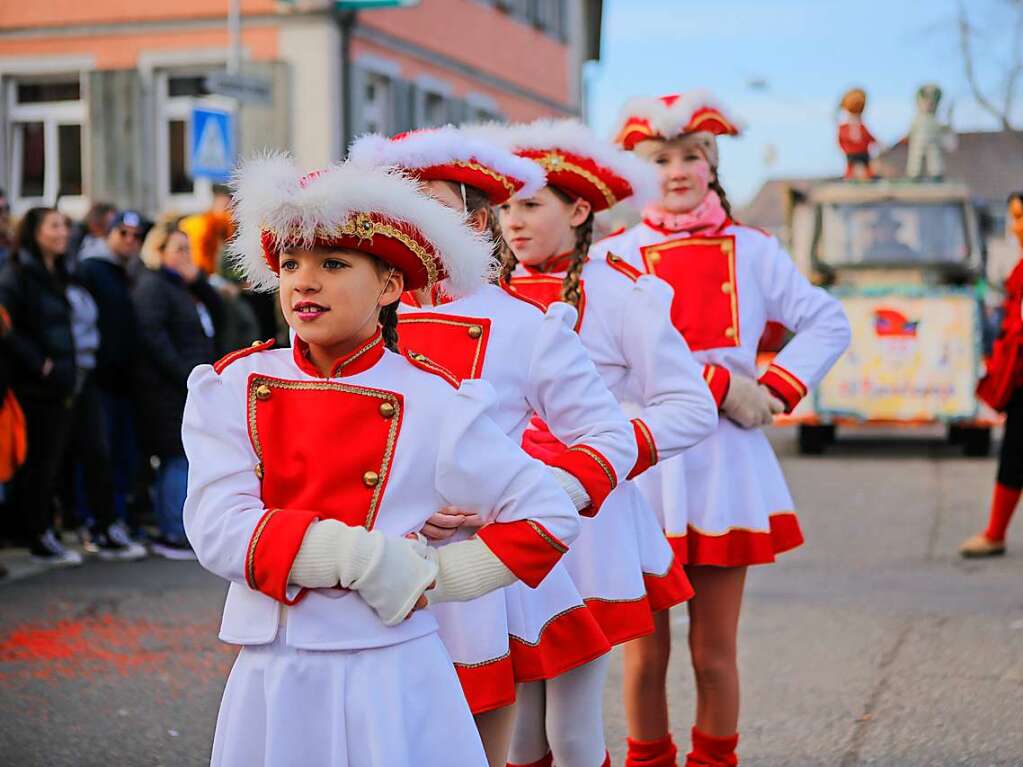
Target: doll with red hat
[
  {"x": 854, "y": 138},
  {"x": 724, "y": 503},
  {"x": 312, "y": 466},
  {"x": 621, "y": 563},
  {"x": 538, "y": 366}
]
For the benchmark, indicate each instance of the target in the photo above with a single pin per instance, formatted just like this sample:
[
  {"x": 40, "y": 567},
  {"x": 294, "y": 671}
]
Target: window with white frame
[
  {"x": 46, "y": 116},
  {"x": 376, "y": 103},
  {"x": 179, "y": 92}
]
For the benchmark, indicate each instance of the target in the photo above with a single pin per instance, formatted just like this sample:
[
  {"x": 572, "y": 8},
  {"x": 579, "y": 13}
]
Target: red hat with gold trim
[
  {"x": 449, "y": 154},
  {"x": 673, "y": 116},
  {"x": 578, "y": 162},
  {"x": 376, "y": 211}
]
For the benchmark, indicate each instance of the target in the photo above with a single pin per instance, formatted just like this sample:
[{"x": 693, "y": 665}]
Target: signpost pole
[{"x": 234, "y": 43}]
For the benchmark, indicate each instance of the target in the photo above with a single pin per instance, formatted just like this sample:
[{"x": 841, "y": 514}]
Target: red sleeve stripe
[
  {"x": 272, "y": 550},
  {"x": 786, "y": 386},
  {"x": 718, "y": 380},
  {"x": 647, "y": 455},
  {"x": 525, "y": 547},
  {"x": 594, "y": 472}
]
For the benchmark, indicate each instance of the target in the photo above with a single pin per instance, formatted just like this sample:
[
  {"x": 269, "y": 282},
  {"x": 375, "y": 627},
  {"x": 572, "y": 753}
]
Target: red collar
[
  {"x": 437, "y": 297},
  {"x": 358, "y": 361},
  {"x": 707, "y": 231},
  {"x": 558, "y": 263}
]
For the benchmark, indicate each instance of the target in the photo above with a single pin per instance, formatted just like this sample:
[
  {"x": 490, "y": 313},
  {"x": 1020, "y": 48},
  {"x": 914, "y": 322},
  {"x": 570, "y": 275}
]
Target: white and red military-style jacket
[
  {"x": 536, "y": 363},
  {"x": 274, "y": 446},
  {"x": 623, "y": 567},
  {"x": 728, "y": 284}
]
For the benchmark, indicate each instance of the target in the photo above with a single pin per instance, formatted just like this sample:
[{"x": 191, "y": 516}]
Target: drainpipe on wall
[{"x": 346, "y": 23}]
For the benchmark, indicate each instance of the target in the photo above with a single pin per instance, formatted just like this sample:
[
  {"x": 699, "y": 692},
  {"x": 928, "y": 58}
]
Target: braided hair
[
  {"x": 715, "y": 186},
  {"x": 571, "y": 292},
  {"x": 475, "y": 201},
  {"x": 389, "y": 325}
]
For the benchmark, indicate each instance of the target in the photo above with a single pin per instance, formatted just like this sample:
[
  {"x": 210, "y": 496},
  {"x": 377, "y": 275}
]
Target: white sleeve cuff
[
  {"x": 572, "y": 486},
  {"x": 466, "y": 570}
]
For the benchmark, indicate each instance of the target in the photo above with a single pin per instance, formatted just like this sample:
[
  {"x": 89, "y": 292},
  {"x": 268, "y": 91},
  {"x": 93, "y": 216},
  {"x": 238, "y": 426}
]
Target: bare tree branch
[{"x": 966, "y": 48}]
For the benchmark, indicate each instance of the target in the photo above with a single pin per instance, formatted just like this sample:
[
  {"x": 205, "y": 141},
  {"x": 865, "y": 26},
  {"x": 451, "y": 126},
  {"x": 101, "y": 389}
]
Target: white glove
[
  {"x": 390, "y": 574},
  {"x": 750, "y": 404},
  {"x": 466, "y": 570},
  {"x": 576, "y": 492}
]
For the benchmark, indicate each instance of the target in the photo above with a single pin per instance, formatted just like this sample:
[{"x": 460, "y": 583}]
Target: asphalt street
[{"x": 873, "y": 644}]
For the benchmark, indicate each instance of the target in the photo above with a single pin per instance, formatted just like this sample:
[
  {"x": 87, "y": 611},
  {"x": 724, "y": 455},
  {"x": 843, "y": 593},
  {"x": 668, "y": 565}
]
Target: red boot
[
  {"x": 711, "y": 751},
  {"x": 652, "y": 753}
]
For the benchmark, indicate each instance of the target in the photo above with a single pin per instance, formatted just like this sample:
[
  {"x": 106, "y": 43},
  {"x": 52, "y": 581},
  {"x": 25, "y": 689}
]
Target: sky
[{"x": 805, "y": 53}]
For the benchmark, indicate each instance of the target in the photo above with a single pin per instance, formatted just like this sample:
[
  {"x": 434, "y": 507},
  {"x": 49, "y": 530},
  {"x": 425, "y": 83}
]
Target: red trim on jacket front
[
  {"x": 525, "y": 547},
  {"x": 360, "y": 359},
  {"x": 784, "y": 385},
  {"x": 624, "y": 267},
  {"x": 647, "y": 455},
  {"x": 718, "y": 380},
  {"x": 272, "y": 550},
  {"x": 594, "y": 472}
]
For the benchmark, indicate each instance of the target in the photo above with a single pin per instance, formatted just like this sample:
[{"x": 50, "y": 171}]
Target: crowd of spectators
[{"x": 101, "y": 323}]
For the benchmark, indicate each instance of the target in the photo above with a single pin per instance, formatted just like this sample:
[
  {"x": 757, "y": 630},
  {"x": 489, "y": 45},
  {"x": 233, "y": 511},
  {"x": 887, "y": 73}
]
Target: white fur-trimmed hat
[
  {"x": 449, "y": 154},
  {"x": 374, "y": 210},
  {"x": 577, "y": 161},
  {"x": 673, "y": 116}
]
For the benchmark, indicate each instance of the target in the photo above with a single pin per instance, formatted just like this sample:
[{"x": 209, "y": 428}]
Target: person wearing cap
[
  {"x": 724, "y": 504},
  {"x": 537, "y": 365},
  {"x": 621, "y": 563},
  {"x": 104, "y": 268},
  {"x": 310, "y": 467}
]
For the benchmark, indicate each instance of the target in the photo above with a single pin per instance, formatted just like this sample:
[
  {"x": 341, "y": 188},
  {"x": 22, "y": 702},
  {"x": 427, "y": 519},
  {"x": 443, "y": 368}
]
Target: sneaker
[
  {"x": 981, "y": 546},
  {"x": 115, "y": 543},
  {"x": 49, "y": 551},
  {"x": 169, "y": 549}
]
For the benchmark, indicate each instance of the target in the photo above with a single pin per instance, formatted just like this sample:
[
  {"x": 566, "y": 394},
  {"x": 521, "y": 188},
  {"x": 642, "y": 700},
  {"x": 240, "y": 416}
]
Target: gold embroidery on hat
[
  {"x": 552, "y": 161},
  {"x": 499, "y": 178}
]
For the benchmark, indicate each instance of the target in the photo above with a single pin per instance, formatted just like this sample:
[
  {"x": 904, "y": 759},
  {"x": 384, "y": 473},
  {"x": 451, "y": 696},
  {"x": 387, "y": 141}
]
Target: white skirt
[
  {"x": 724, "y": 501},
  {"x": 395, "y": 706}
]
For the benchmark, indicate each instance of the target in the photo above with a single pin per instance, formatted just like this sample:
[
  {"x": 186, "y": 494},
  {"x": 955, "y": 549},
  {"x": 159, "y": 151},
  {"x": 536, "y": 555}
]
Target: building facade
[{"x": 96, "y": 97}]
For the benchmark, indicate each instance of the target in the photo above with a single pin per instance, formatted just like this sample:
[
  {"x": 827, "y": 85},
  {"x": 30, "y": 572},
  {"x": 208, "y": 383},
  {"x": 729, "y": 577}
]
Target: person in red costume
[
  {"x": 1002, "y": 388},
  {"x": 854, "y": 138}
]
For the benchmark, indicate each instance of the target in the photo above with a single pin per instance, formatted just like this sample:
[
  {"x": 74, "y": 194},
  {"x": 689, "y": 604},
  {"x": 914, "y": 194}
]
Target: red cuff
[
  {"x": 272, "y": 550},
  {"x": 647, "y": 448},
  {"x": 525, "y": 547},
  {"x": 784, "y": 386},
  {"x": 594, "y": 472},
  {"x": 718, "y": 380}
]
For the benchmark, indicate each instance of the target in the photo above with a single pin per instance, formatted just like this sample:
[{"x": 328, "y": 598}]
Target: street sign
[
  {"x": 245, "y": 88},
  {"x": 212, "y": 149},
  {"x": 359, "y": 5}
]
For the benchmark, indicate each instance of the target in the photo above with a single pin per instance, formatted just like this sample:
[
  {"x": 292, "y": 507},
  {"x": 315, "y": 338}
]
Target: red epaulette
[
  {"x": 507, "y": 288},
  {"x": 615, "y": 233},
  {"x": 423, "y": 362},
  {"x": 620, "y": 265},
  {"x": 227, "y": 359}
]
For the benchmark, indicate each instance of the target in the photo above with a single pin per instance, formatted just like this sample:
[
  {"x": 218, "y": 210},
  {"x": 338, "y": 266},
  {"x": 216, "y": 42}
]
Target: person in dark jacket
[
  {"x": 104, "y": 271},
  {"x": 41, "y": 347},
  {"x": 177, "y": 310}
]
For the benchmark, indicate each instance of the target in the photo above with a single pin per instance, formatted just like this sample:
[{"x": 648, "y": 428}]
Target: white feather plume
[{"x": 269, "y": 197}]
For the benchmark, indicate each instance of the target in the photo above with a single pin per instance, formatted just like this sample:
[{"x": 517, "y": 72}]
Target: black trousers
[
  {"x": 1010, "y": 462},
  {"x": 89, "y": 449},
  {"x": 48, "y": 428}
]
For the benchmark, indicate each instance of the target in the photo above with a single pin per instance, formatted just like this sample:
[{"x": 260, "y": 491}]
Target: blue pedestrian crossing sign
[{"x": 212, "y": 150}]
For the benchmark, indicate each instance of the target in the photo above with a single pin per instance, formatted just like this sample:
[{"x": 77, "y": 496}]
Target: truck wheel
[
  {"x": 976, "y": 440},
  {"x": 814, "y": 439}
]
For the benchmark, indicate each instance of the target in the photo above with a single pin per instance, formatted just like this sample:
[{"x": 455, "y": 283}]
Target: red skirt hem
[
  {"x": 667, "y": 590},
  {"x": 567, "y": 641},
  {"x": 739, "y": 547},
  {"x": 488, "y": 686}
]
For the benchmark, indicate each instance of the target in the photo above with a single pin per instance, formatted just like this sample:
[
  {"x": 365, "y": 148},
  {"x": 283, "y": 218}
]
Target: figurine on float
[
  {"x": 854, "y": 138},
  {"x": 928, "y": 137}
]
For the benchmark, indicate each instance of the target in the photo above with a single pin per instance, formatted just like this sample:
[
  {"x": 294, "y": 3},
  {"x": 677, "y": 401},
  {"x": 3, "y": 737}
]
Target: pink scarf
[{"x": 709, "y": 214}]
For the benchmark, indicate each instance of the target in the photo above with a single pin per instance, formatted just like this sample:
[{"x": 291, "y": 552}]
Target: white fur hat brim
[
  {"x": 271, "y": 195},
  {"x": 447, "y": 146},
  {"x": 671, "y": 121}
]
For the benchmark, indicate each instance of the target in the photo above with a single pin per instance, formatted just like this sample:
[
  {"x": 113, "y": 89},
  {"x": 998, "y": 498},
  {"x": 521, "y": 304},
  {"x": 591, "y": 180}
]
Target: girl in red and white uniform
[
  {"x": 536, "y": 364},
  {"x": 311, "y": 466},
  {"x": 724, "y": 504},
  {"x": 621, "y": 562}
]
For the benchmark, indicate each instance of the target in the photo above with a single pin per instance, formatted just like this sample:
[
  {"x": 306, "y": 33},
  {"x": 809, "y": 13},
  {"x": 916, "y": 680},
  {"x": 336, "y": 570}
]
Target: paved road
[{"x": 872, "y": 645}]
